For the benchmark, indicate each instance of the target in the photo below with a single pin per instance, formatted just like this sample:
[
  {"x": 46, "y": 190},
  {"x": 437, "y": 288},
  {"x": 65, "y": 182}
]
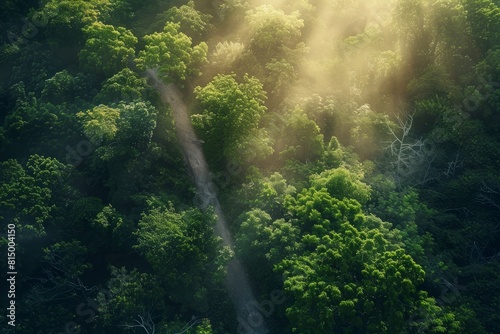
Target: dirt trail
[{"x": 249, "y": 318}]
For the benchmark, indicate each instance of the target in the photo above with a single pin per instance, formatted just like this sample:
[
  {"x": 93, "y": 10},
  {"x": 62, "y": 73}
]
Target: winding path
[{"x": 249, "y": 319}]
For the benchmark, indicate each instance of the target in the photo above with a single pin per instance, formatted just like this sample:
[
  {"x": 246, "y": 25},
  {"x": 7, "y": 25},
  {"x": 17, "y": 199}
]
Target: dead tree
[
  {"x": 412, "y": 158},
  {"x": 489, "y": 195},
  {"x": 58, "y": 283},
  {"x": 145, "y": 323}
]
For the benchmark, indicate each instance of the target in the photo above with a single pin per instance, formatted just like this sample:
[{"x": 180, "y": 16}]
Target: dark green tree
[
  {"x": 182, "y": 249},
  {"x": 107, "y": 49}
]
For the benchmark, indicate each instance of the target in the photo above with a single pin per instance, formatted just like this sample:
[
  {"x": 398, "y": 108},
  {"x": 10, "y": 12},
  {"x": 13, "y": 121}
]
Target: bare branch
[
  {"x": 411, "y": 158},
  {"x": 58, "y": 283},
  {"x": 194, "y": 321},
  {"x": 489, "y": 195},
  {"x": 453, "y": 166},
  {"x": 144, "y": 322}
]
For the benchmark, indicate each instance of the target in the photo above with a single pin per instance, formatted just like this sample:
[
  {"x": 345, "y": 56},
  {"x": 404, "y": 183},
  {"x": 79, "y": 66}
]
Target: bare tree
[
  {"x": 194, "y": 321},
  {"x": 143, "y": 322},
  {"x": 453, "y": 166},
  {"x": 476, "y": 253},
  {"x": 58, "y": 283},
  {"x": 412, "y": 159},
  {"x": 146, "y": 324},
  {"x": 489, "y": 195}
]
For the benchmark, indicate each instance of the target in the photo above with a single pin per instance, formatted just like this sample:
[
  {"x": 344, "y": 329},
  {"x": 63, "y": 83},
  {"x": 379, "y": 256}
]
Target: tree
[
  {"x": 32, "y": 65},
  {"x": 369, "y": 130},
  {"x": 191, "y": 22},
  {"x": 484, "y": 20},
  {"x": 315, "y": 210},
  {"x": 412, "y": 157},
  {"x": 133, "y": 299},
  {"x": 272, "y": 29},
  {"x": 63, "y": 265},
  {"x": 415, "y": 39},
  {"x": 171, "y": 52},
  {"x": 354, "y": 281},
  {"x": 125, "y": 86},
  {"x": 266, "y": 193},
  {"x": 225, "y": 55},
  {"x": 27, "y": 193},
  {"x": 342, "y": 184},
  {"x": 107, "y": 49},
  {"x": 281, "y": 75},
  {"x": 66, "y": 19},
  {"x": 182, "y": 249},
  {"x": 261, "y": 240},
  {"x": 301, "y": 138},
  {"x": 100, "y": 123},
  {"x": 231, "y": 115},
  {"x": 131, "y": 124},
  {"x": 35, "y": 124},
  {"x": 110, "y": 228},
  {"x": 64, "y": 87}
]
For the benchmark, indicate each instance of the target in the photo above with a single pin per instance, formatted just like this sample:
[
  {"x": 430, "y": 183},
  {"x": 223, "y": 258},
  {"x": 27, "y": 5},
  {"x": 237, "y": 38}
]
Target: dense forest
[{"x": 353, "y": 146}]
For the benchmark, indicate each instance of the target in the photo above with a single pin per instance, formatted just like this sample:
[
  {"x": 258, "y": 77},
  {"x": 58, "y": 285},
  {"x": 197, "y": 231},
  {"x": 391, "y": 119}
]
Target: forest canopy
[{"x": 336, "y": 161}]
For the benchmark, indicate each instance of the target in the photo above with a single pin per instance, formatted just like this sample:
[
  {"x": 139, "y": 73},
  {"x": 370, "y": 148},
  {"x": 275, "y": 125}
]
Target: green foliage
[
  {"x": 204, "y": 328},
  {"x": 355, "y": 281},
  {"x": 260, "y": 239},
  {"x": 107, "y": 49},
  {"x": 231, "y": 115},
  {"x": 341, "y": 184},
  {"x": 64, "y": 88},
  {"x": 68, "y": 258},
  {"x": 297, "y": 103},
  {"x": 484, "y": 19},
  {"x": 130, "y": 294},
  {"x": 131, "y": 124},
  {"x": 182, "y": 249},
  {"x": 191, "y": 22},
  {"x": 266, "y": 193},
  {"x": 271, "y": 29},
  {"x": 171, "y": 52},
  {"x": 32, "y": 65},
  {"x": 225, "y": 55},
  {"x": 99, "y": 123},
  {"x": 301, "y": 137},
  {"x": 65, "y": 19},
  {"x": 368, "y": 131},
  {"x": 125, "y": 85},
  {"x": 110, "y": 228},
  {"x": 315, "y": 210},
  {"x": 27, "y": 193},
  {"x": 34, "y": 123},
  {"x": 434, "y": 82}
]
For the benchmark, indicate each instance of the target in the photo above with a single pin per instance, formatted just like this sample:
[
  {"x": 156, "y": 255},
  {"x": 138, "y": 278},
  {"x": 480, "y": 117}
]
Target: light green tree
[
  {"x": 99, "y": 123},
  {"x": 352, "y": 281},
  {"x": 171, "y": 52},
  {"x": 272, "y": 29},
  {"x": 231, "y": 115},
  {"x": 342, "y": 184}
]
